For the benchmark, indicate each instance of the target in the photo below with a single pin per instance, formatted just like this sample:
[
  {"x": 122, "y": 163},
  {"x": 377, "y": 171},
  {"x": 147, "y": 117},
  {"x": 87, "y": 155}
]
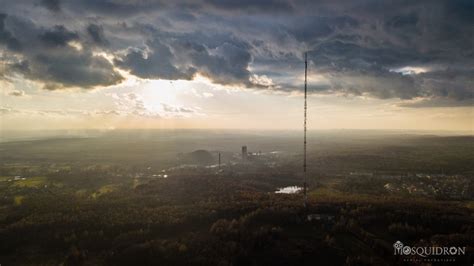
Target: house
[{"x": 319, "y": 217}]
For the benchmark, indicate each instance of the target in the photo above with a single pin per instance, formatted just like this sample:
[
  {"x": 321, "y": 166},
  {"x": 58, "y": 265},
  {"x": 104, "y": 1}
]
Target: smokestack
[{"x": 244, "y": 153}]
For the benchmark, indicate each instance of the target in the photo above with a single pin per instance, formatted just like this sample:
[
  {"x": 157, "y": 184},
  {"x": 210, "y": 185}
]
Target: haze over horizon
[{"x": 114, "y": 64}]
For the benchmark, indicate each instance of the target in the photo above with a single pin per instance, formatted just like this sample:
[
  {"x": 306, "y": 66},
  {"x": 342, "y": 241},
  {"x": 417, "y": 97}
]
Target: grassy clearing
[
  {"x": 470, "y": 205},
  {"x": 33, "y": 182},
  {"x": 104, "y": 190},
  {"x": 81, "y": 192},
  {"x": 18, "y": 200}
]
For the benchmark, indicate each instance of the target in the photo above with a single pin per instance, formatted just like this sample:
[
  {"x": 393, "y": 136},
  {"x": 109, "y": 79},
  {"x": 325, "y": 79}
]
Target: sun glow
[{"x": 155, "y": 92}]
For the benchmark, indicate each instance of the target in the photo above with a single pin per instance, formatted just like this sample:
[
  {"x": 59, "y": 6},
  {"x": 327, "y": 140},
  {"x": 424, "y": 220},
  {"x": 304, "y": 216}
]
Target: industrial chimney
[{"x": 244, "y": 153}]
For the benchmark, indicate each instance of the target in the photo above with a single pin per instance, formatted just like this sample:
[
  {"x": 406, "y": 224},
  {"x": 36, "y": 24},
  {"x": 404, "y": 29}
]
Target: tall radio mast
[{"x": 305, "y": 116}]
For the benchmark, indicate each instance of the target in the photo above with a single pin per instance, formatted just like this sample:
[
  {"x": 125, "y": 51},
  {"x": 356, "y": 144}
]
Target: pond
[{"x": 289, "y": 190}]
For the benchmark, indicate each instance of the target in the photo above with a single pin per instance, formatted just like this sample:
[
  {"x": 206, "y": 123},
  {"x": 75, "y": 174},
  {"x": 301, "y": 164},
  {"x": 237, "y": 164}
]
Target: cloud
[
  {"x": 51, "y": 5},
  {"x": 48, "y": 55},
  {"x": 155, "y": 62},
  {"x": 266, "y": 6},
  {"x": 97, "y": 34},
  {"x": 454, "y": 84},
  {"x": 17, "y": 93},
  {"x": 180, "y": 57},
  {"x": 6, "y": 37},
  {"x": 6, "y": 110},
  {"x": 176, "y": 109},
  {"x": 224, "y": 64},
  {"x": 406, "y": 50},
  {"x": 58, "y": 36},
  {"x": 74, "y": 69},
  {"x": 435, "y": 102},
  {"x": 131, "y": 104}
]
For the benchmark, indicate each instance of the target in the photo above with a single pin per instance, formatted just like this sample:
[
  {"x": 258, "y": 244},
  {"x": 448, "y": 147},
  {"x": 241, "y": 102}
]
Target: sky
[{"x": 111, "y": 64}]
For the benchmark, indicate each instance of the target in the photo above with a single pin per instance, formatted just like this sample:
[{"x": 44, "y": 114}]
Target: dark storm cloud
[
  {"x": 52, "y": 5},
  {"x": 6, "y": 37},
  {"x": 367, "y": 48},
  {"x": 135, "y": 7},
  {"x": 58, "y": 36},
  {"x": 182, "y": 56},
  {"x": 47, "y": 56},
  {"x": 450, "y": 83},
  {"x": 363, "y": 59},
  {"x": 77, "y": 69},
  {"x": 267, "y": 6},
  {"x": 116, "y": 8},
  {"x": 311, "y": 28},
  {"x": 156, "y": 63},
  {"x": 97, "y": 34},
  {"x": 223, "y": 64}
]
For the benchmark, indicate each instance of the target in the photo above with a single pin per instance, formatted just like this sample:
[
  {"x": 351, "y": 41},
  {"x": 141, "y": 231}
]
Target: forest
[{"x": 61, "y": 205}]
